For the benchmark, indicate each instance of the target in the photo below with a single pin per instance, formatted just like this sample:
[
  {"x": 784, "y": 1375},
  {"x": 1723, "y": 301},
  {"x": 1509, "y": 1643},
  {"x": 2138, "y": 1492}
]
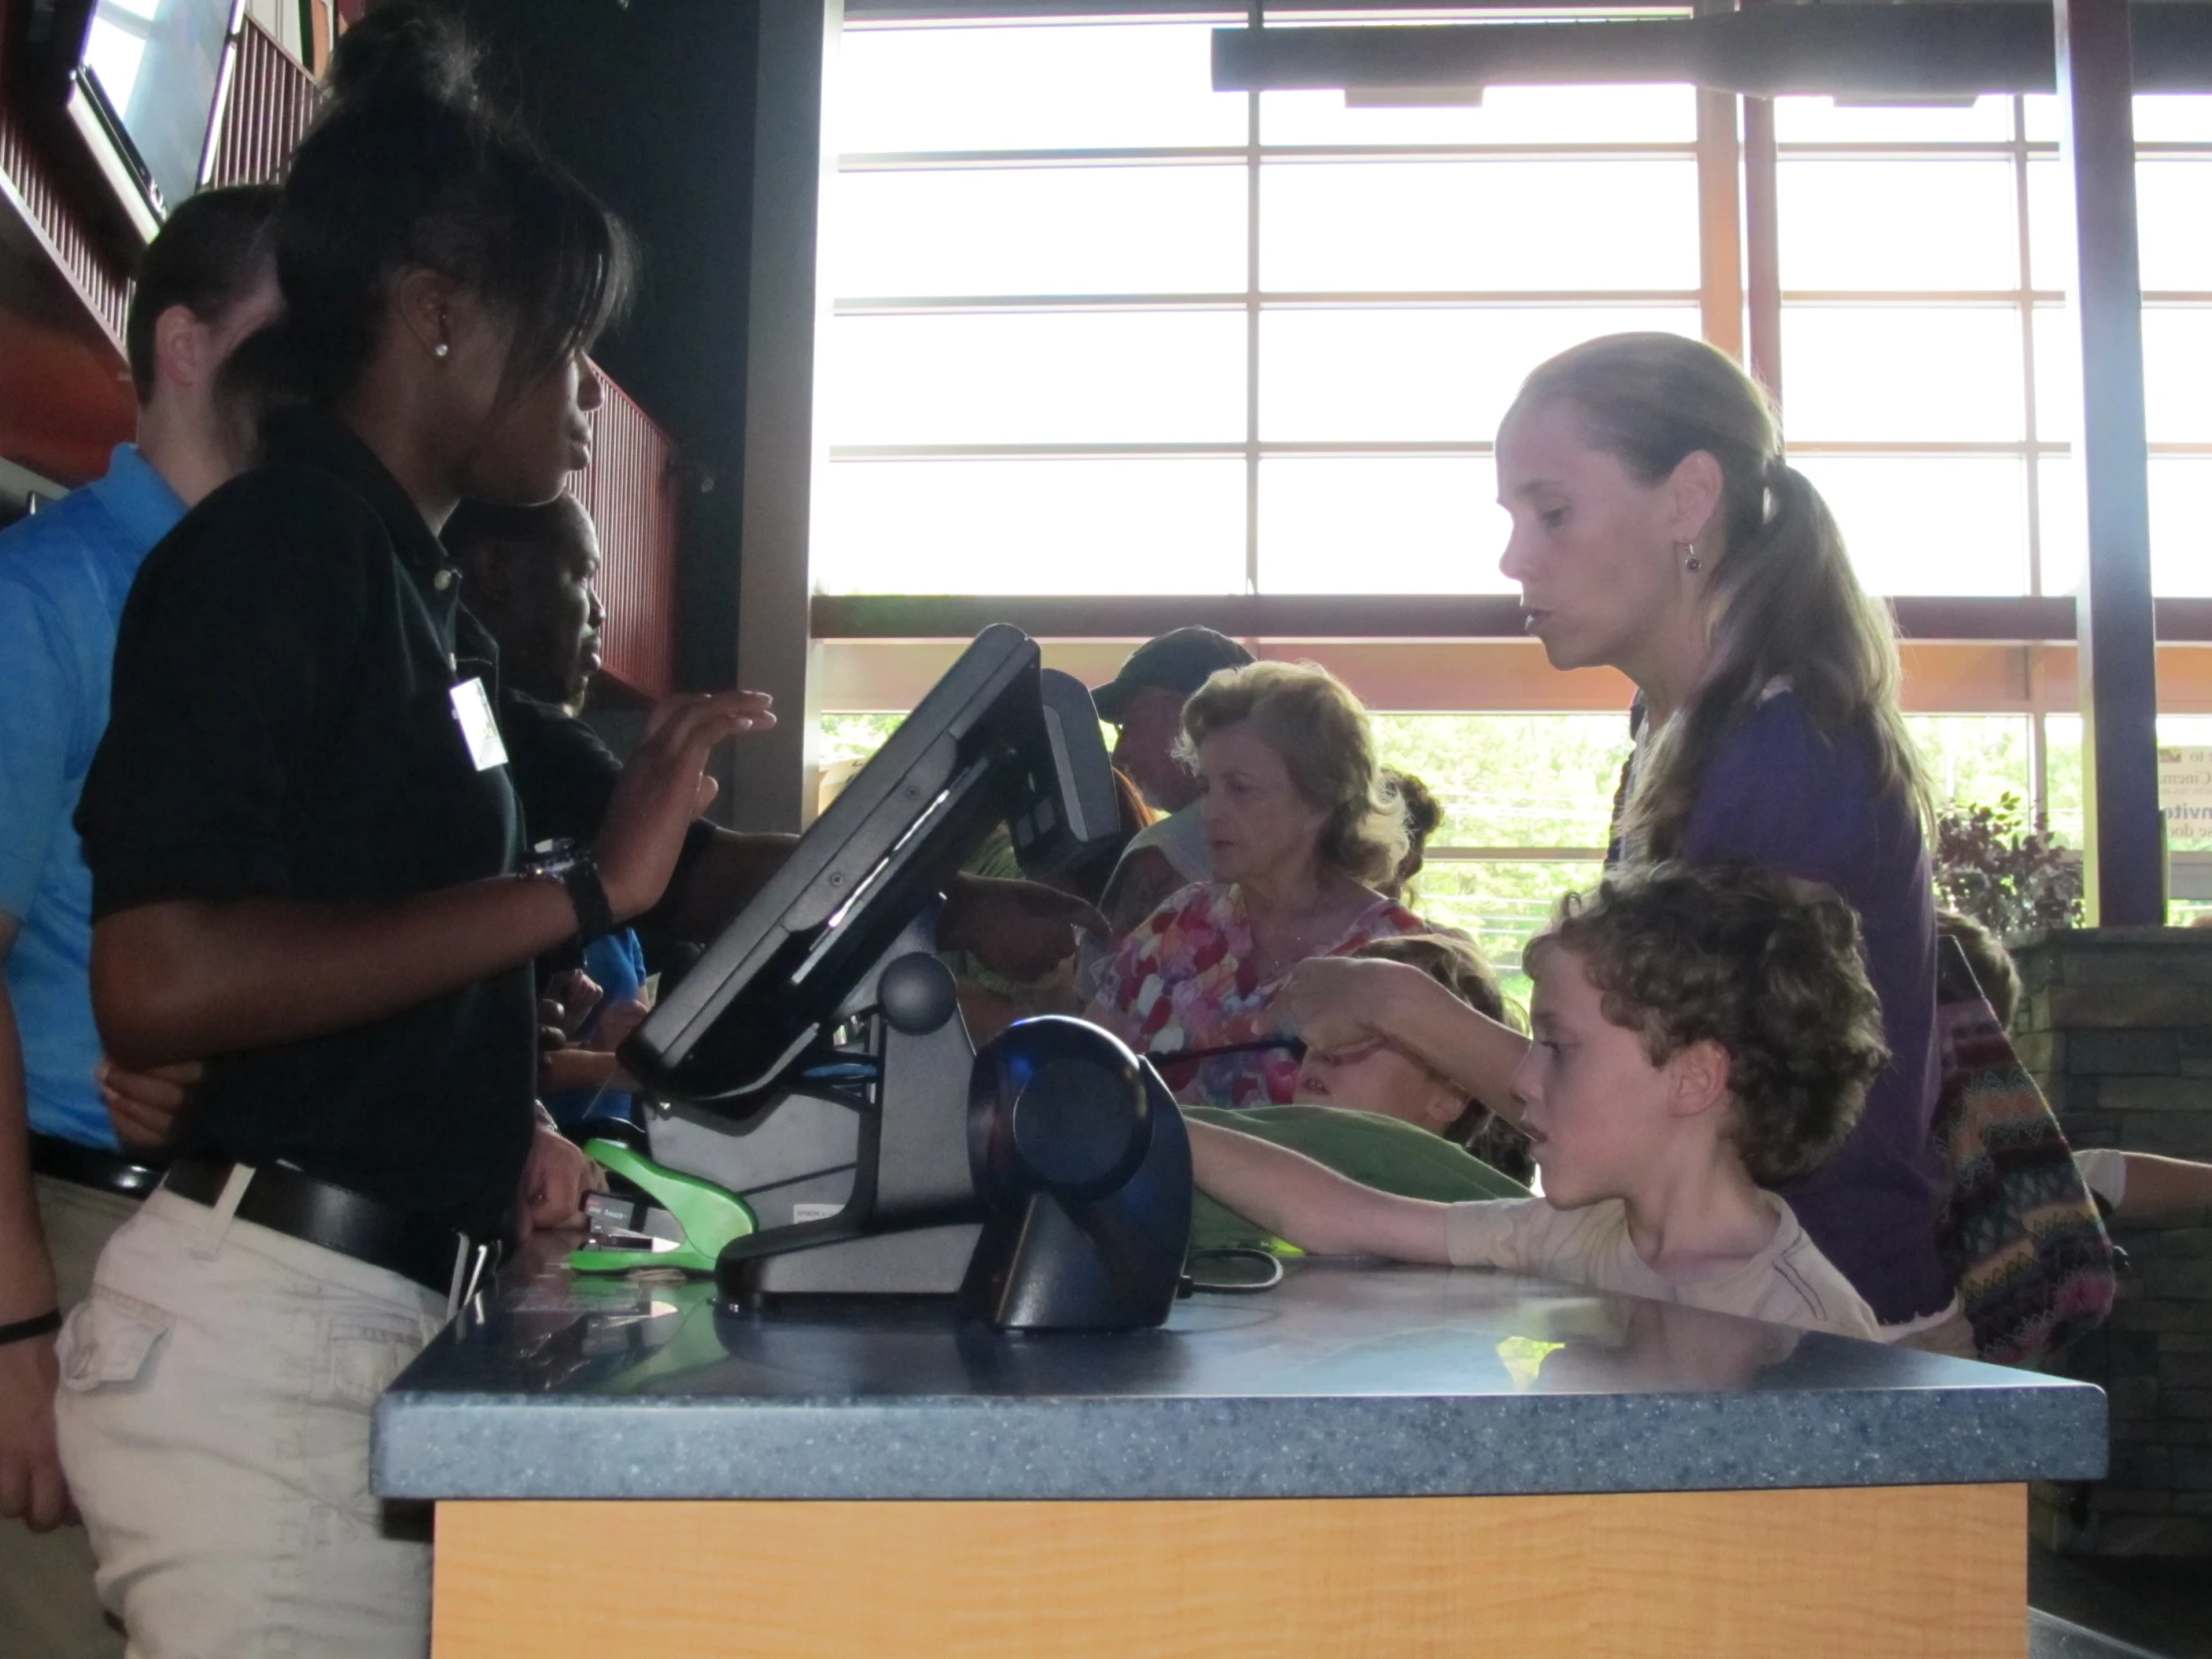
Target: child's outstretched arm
[
  {"x": 1339, "y": 1002},
  {"x": 1309, "y": 1204},
  {"x": 2144, "y": 1188}
]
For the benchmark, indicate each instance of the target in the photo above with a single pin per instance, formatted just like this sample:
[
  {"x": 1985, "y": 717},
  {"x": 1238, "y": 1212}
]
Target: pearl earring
[{"x": 441, "y": 349}]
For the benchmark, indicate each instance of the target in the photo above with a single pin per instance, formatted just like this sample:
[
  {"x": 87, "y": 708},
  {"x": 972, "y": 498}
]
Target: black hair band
[{"x": 22, "y": 1331}]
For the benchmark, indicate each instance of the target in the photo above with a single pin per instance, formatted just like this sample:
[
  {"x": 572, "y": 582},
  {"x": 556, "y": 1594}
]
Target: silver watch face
[{"x": 554, "y": 857}]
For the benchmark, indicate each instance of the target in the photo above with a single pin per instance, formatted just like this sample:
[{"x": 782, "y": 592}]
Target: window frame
[{"x": 2008, "y": 655}]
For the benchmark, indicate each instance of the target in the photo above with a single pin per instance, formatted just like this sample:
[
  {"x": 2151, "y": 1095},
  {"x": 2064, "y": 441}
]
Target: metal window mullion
[
  {"x": 1251, "y": 330},
  {"x": 1762, "y": 245},
  {"x": 1670, "y": 149},
  {"x": 1962, "y": 148},
  {"x": 1720, "y": 221},
  {"x": 1513, "y": 855},
  {"x": 1022, "y": 161},
  {"x": 2034, "y": 469},
  {"x": 1500, "y": 299},
  {"x": 1344, "y": 300},
  {"x": 1011, "y": 161},
  {"x": 1931, "y": 150},
  {"x": 1135, "y": 450},
  {"x": 1228, "y": 448},
  {"x": 1877, "y": 298},
  {"x": 1904, "y": 448},
  {"x": 2038, "y": 741}
]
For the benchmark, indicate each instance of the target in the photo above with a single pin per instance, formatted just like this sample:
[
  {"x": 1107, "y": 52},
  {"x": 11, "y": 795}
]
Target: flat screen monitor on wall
[{"x": 140, "y": 81}]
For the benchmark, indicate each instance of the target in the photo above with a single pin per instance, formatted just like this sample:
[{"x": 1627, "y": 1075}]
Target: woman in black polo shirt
[{"x": 308, "y": 861}]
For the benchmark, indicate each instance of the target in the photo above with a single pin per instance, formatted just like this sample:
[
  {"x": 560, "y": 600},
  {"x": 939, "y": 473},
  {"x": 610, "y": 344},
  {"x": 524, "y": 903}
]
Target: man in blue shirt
[{"x": 206, "y": 281}]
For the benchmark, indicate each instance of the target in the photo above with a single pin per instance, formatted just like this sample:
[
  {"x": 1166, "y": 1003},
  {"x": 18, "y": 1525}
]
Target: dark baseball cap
[{"x": 1180, "y": 662}]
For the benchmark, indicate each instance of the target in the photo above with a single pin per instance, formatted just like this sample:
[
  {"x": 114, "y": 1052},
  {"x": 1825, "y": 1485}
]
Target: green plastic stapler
[{"x": 707, "y": 1216}]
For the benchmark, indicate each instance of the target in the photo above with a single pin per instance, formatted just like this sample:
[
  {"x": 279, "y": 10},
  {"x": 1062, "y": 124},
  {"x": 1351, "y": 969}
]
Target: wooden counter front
[{"x": 1934, "y": 1572}]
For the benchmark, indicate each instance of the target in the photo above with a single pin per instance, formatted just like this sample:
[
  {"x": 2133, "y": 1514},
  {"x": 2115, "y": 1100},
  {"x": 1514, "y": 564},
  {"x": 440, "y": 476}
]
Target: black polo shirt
[
  {"x": 283, "y": 725},
  {"x": 566, "y": 778},
  {"x": 563, "y": 773}
]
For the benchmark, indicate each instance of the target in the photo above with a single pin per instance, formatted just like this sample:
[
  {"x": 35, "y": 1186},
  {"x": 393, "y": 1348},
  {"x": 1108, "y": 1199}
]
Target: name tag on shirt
[{"x": 472, "y": 711}]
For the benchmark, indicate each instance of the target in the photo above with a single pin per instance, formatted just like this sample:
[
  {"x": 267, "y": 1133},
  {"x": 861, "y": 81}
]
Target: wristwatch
[{"x": 572, "y": 866}]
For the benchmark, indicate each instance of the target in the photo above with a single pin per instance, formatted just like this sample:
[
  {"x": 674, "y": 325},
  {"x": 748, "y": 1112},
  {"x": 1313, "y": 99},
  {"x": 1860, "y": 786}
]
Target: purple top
[{"x": 1780, "y": 795}]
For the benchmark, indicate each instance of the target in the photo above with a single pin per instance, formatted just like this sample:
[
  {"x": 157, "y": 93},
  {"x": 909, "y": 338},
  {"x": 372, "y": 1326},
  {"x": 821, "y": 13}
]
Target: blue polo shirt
[{"x": 64, "y": 574}]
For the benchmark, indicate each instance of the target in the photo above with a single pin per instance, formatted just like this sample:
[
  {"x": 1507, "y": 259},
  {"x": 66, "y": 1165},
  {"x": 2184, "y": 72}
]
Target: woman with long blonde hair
[{"x": 1659, "y": 529}]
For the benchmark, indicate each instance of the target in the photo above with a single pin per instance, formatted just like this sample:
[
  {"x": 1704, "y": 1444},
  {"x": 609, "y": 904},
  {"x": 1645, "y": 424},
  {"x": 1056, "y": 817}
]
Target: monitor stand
[
  {"x": 924, "y": 1260},
  {"x": 1045, "y": 1243},
  {"x": 912, "y": 1218}
]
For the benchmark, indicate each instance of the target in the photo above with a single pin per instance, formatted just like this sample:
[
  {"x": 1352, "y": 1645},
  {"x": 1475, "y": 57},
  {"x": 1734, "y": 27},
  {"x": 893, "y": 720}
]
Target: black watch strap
[{"x": 595, "y": 917}]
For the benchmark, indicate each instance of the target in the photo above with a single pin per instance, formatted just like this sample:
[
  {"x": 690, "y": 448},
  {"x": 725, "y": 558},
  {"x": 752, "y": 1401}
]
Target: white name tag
[{"x": 472, "y": 712}]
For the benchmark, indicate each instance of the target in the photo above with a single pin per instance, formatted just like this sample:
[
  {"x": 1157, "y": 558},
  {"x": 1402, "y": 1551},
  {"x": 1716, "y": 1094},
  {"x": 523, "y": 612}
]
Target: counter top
[{"x": 1350, "y": 1380}]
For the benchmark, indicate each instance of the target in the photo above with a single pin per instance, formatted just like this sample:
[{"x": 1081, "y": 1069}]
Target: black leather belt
[
  {"x": 90, "y": 1166},
  {"x": 300, "y": 1207}
]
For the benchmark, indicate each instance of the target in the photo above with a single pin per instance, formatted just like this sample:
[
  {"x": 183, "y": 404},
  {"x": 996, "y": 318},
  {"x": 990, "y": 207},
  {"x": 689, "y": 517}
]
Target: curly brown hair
[
  {"x": 1769, "y": 968},
  {"x": 1310, "y": 718}
]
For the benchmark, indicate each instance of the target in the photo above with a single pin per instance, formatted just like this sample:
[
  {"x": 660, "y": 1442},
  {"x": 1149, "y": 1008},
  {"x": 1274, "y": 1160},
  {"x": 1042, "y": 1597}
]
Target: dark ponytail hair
[
  {"x": 1784, "y": 601},
  {"x": 408, "y": 167}
]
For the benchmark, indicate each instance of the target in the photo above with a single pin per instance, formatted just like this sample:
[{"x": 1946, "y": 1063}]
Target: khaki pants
[
  {"x": 214, "y": 1412},
  {"x": 47, "y": 1602}
]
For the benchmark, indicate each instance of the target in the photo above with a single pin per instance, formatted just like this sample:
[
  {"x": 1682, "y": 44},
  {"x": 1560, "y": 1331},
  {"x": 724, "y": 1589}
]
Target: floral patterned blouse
[{"x": 1187, "y": 977}]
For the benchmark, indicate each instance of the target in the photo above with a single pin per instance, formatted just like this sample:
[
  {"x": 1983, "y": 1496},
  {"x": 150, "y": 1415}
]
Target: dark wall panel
[{"x": 651, "y": 104}]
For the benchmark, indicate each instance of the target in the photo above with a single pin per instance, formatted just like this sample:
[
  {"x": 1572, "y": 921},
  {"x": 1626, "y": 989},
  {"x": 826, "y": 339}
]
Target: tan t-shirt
[{"x": 1788, "y": 1282}]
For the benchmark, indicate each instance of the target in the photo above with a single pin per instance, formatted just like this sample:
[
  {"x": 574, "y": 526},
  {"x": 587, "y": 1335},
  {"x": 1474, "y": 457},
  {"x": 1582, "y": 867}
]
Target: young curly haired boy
[{"x": 1699, "y": 1034}]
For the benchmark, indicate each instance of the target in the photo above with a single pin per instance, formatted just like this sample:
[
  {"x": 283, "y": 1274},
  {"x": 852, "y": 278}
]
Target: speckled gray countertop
[{"x": 1351, "y": 1379}]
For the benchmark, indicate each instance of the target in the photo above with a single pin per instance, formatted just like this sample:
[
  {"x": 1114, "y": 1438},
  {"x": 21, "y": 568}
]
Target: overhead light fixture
[
  {"x": 1918, "y": 53},
  {"x": 1413, "y": 97},
  {"x": 1924, "y": 101}
]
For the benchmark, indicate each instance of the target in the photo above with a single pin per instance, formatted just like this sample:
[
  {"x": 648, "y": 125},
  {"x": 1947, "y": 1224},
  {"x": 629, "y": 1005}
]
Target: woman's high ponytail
[
  {"x": 409, "y": 166},
  {"x": 1784, "y": 603}
]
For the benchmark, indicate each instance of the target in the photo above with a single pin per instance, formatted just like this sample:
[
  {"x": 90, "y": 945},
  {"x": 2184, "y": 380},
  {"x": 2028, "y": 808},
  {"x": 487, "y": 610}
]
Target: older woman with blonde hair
[{"x": 1303, "y": 832}]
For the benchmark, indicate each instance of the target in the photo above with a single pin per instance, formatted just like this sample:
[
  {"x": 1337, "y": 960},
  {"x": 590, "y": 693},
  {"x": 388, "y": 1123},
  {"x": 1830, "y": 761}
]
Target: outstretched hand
[
  {"x": 1335, "y": 1003},
  {"x": 1020, "y": 930},
  {"x": 664, "y": 788}
]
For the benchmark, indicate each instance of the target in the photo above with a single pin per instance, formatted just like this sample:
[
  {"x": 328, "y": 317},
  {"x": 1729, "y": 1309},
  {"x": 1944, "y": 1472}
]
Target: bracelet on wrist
[{"x": 22, "y": 1331}]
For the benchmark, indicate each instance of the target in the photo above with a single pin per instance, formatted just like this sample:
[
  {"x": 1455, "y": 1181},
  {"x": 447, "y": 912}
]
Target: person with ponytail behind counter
[{"x": 1658, "y": 529}]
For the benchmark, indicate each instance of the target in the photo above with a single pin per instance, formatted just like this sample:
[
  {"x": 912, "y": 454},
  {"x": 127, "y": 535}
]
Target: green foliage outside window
[{"x": 2008, "y": 874}]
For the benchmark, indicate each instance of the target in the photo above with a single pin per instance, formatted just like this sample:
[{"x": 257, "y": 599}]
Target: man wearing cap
[{"x": 1145, "y": 702}]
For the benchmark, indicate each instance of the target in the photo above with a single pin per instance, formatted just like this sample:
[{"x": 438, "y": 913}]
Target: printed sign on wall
[{"x": 2185, "y": 792}]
